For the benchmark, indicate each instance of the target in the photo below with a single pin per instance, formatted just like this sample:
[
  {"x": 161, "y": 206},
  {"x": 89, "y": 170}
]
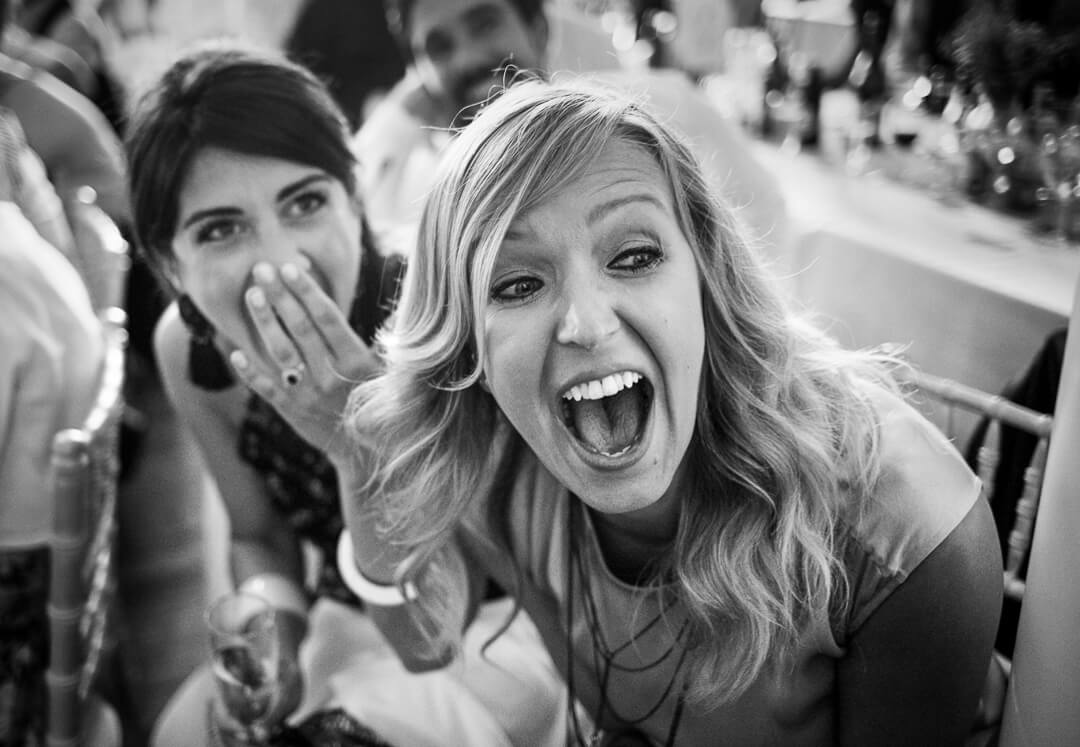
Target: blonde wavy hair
[{"x": 784, "y": 428}]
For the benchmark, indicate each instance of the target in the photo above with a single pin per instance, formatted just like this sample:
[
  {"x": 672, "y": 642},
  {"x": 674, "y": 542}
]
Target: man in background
[
  {"x": 52, "y": 355},
  {"x": 459, "y": 52}
]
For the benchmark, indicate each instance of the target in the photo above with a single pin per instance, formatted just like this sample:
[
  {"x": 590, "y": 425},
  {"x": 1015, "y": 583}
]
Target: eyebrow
[
  {"x": 285, "y": 193},
  {"x": 603, "y": 209}
]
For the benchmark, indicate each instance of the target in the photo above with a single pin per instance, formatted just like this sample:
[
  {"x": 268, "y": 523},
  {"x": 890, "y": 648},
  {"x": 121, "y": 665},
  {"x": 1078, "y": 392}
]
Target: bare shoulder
[
  {"x": 923, "y": 489},
  {"x": 908, "y": 439}
]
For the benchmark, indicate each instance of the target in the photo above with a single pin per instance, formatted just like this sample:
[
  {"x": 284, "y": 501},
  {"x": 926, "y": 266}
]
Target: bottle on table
[{"x": 867, "y": 77}]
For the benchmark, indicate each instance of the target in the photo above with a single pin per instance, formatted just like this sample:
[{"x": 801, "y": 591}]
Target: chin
[{"x": 617, "y": 496}]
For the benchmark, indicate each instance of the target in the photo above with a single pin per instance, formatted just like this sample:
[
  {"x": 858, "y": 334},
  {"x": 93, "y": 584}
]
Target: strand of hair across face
[{"x": 600, "y": 648}]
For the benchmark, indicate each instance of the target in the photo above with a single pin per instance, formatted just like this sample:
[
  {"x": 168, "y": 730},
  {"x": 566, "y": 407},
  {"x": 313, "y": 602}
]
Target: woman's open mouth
[{"x": 608, "y": 415}]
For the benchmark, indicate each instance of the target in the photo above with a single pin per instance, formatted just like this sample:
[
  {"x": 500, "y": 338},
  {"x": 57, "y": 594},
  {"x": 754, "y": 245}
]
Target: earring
[{"x": 207, "y": 368}]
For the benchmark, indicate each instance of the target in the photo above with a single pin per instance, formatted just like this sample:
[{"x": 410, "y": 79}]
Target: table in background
[{"x": 972, "y": 292}]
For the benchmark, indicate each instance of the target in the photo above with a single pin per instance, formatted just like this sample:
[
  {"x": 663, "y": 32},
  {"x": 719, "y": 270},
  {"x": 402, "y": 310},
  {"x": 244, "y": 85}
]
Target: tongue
[{"x": 610, "y": 424}]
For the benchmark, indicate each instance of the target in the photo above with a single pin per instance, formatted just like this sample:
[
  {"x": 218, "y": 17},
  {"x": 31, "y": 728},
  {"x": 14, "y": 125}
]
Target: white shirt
[{"x": 51, "y": 352}]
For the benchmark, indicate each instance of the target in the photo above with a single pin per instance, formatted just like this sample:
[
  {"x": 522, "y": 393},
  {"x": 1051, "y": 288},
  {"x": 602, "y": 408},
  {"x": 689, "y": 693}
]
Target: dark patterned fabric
[
  {"x": 333, "y": 728},
  {"x": 24, "y": 645},
  {"x": 300, "y": 480}
]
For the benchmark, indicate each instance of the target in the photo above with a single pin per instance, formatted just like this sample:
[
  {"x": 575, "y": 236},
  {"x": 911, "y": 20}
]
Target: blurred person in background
[
  {"x": 32, "y": 191},
  {"x": 348, "y": 45},
  {"x": 461, "y": 52},
  {"x": 87, "y": 42},
  {"x": 53, "y": 350},
  {"x": 458, "y": 52},
  {"x": 68, "y": 132}
]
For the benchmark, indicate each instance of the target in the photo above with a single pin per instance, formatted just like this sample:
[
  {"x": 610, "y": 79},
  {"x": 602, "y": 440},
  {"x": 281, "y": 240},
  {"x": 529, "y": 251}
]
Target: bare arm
[
  {"x": 261, "y": 541},
  {"x": 914, "y": 671},
  {"x": 378, "y": 561}
]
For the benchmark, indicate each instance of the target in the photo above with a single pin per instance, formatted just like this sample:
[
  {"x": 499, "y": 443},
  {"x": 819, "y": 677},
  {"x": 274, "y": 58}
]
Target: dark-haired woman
[{"x": 244, "y": 203}]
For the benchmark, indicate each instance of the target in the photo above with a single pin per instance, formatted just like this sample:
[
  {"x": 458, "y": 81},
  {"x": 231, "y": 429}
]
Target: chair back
[
  {"x": 85, "y": 468},
  {"x": 935, "y": 393}
]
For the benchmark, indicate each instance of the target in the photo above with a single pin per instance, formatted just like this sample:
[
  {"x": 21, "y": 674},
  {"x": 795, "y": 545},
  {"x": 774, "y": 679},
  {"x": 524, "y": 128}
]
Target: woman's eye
[
  {"x": 306, "y": 203},
  {"x": 218, "y": 230},
  {"x": 515, "y": 289},
  {"x": 638, "y": 258}
]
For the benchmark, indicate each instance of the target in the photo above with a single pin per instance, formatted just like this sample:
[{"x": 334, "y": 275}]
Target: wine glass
[
  {"x": 244, "y": 655},
  {"x": 1059, "y": 166}
]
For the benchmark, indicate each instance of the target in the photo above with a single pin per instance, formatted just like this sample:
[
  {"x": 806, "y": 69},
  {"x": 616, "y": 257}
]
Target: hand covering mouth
[{"x": 607, "y": 415}]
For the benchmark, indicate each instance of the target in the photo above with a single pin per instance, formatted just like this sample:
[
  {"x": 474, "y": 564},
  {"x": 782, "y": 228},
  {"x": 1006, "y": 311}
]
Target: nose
[
  {"x": 280, "y": 244},
  {"x": 588, "y": 320}
]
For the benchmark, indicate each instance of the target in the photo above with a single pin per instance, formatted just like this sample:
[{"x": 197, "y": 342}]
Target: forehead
[
  {"x": 428, "y": 16},
  {"x": 217, "y": 175},
  {"x": 622, "y": 175}
]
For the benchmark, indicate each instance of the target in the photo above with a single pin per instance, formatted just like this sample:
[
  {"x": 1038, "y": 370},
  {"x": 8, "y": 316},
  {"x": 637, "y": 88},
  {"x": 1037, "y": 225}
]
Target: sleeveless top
[
  {"x": 300, "y": 480},
  {"x": 583, "y": 611}
]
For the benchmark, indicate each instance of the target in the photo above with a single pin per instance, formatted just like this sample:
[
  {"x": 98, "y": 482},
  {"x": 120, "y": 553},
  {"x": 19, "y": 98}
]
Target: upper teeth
[{"x": 605, "y": 387}]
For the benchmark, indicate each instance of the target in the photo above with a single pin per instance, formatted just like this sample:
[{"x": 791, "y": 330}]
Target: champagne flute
[{"x": 244, "y": 656}]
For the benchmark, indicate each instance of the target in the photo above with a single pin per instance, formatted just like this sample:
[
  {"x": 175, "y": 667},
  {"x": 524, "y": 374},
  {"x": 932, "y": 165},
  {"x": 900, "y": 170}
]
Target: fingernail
[
  {"x": 263, "y": 272},
  {"x": 238, "y": 359},
  {"x": 256, "y": 297},
  {"x": 290, "y": 272}
]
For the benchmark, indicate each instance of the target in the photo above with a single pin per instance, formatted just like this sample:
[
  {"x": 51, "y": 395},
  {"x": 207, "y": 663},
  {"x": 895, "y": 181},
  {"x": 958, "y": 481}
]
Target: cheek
[
  {"x": 219, "y": 296},
  {"x": 680, "y": 338},
  {"x": 692, "y": 337},
  {"x": 337, "y": 256},
  {"x": 212, "y": 286},
  {"x": 512, "y": 365}
]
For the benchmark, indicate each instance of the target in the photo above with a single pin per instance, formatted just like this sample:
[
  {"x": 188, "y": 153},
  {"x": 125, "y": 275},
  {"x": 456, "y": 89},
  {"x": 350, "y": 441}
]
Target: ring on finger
[{"x": 293, "y": 375}]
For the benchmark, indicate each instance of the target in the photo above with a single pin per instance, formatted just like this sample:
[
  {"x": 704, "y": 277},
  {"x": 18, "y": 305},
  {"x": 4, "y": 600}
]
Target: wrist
[{"x": 380, "y": 594}]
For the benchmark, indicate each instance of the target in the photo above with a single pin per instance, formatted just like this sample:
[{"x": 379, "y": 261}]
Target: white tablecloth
[{"x": 972, "y": 292}]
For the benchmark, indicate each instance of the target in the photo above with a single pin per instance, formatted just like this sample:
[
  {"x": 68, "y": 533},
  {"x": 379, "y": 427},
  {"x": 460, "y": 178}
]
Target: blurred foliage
[{"x": 1009, "y": 49}]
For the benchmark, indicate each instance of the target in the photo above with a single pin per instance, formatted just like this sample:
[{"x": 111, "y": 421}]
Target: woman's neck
[
  {"x": 636, "y": 545},
  {"x": 634, "y": 552}
]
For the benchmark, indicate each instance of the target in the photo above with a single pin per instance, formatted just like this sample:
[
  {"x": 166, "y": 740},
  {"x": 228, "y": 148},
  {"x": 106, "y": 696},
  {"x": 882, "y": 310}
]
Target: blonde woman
[{"x": 727, "y": 530}]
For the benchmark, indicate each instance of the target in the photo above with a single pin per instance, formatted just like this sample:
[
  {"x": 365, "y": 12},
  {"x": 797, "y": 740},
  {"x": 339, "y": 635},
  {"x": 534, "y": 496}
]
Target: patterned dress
[{"x": 24, "y": 645}]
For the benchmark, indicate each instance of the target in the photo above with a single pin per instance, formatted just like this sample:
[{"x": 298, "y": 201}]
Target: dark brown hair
[{"x": 242, "y": 100}]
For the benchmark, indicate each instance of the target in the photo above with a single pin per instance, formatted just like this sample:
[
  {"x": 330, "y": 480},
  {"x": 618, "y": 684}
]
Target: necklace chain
[{"x": 604, "y": 656}]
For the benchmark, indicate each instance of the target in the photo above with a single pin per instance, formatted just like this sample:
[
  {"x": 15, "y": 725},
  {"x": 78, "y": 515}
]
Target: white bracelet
[
  {"x": 280, "y": 591},
  {"x": 380, "y": 595}
]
